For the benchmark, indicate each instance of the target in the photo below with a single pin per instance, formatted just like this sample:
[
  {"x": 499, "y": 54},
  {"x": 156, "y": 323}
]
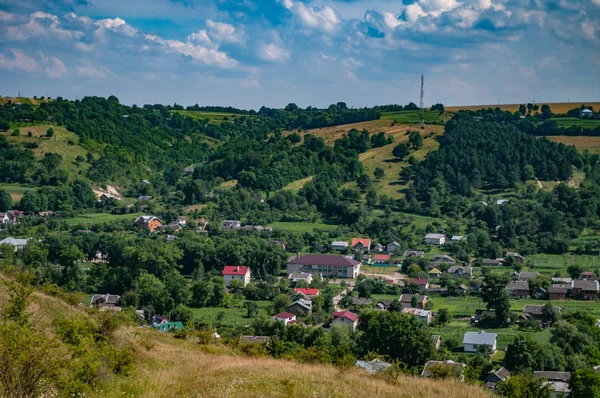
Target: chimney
[{"x": 237, "y": 269}]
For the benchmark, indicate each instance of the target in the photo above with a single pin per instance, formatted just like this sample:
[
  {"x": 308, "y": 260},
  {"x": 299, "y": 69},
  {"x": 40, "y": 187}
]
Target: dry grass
[
  {"x": 298, "y": 184},
  {"x": 582, "y": 143},
  {"x": 228, "y": 184},
  {"x": 182, "y": 368},
  {"x": 557, "y": 107},
  {"x": 330, "y": 134}
]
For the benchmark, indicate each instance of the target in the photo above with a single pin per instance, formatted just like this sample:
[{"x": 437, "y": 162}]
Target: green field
[
  {"x": 412, "y": 117},
  {"x": 16, "y": 191},
  {"x": 298, "y": 184},
  {"x": 99, "y": 218},
  {"x": 234, "y": 316},
  {"x": 302, "y": 226},
  {"x": 213, "y": 117},
  {"x": 575, "y": 121}
]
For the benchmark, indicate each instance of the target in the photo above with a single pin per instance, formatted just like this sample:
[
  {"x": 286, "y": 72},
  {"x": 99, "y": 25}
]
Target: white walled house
[
  {"x": 435, "y": 239},
  {"x": 236, "y": 273},
  {"x": 286, "y": 317},
  {"x": 473, "y": 340},
  {"x": 345, "y": 317}
]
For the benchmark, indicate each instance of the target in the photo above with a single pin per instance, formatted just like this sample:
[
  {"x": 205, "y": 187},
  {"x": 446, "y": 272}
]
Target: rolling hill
[{"x": 556, "y": 107}]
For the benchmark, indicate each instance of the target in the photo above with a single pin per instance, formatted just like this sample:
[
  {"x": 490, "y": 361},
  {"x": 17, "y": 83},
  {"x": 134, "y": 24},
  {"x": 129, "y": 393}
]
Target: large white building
[
  {"x": 236, "y": 273},
  {"x": 473, "y": 340}
]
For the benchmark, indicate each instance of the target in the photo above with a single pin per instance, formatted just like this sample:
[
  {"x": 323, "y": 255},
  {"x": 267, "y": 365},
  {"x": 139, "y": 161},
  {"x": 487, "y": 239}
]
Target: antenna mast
[{"x": 422, "y": 112}]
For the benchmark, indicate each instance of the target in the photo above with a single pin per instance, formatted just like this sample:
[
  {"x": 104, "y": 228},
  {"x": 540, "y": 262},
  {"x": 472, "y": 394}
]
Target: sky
[{"x": 250, "y": 53}]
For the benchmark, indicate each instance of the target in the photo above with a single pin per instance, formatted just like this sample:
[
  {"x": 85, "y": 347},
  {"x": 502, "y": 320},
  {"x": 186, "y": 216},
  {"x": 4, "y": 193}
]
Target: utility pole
[{"x": 422, "y": 113}]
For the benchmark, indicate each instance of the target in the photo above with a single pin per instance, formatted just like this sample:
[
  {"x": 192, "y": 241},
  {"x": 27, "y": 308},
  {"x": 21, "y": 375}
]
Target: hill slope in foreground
[{"x": 164, "y": 366}]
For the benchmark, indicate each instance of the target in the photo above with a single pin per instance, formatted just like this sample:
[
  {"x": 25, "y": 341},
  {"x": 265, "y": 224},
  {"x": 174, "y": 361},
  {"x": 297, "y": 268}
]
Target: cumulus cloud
[
  {"x": 223, "y": 32},
  {"x": 42, "y": 24},
  {"x": 437, "y": 7},
  {"x": 116, "y": 25},
  {"x": 198, "y": 53},
  {"x": 7, "y": 16},
  {"x": 18, "y": 61},
  {"x": 273, "y": 53},
  {"x": 201, "y": 37},
  {"x": 324, "y": 18},
  {"x": 54, "y": 67},
  {"x": 89, "y": 70}
]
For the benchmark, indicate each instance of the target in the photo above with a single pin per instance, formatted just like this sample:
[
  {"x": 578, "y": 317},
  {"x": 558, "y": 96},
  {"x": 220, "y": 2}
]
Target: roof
[
  {"x": 457, "y": 237},
  {"x": 536, "y": 309},
  {"x": 255, "y": 339},
  {"x": 307, "y": 291},
  {"x": 559, "y": 289},
  {"x": 553, "y": 376},
  {"x": 235, "y": 270},
  {"x": 414, "y": 253},
  {"x": 585, "y": 284},
  {"x": 394, "y": 243},
  {"x": 364, "y": 241},
  {"x": 307, "y": 304},
  {"x": 381, "y": 257},
  {"x": 324, "y": 259},
  {"x": 146, "y": 219},
  {"x": 346, "y": 314},
  {"x": 374, "y": 366},
  {"x": 418, "y": 281},
  {"x": 434, "y": 236},
  {"x": 144, "y": 197},
  {"x": 479, "y": 338},
  {"x": 518, "y": 285},
  {"x": 463, "y": 286},
  {"x": 361, "y": 301},
  {"x": 407, "y": 298},
  {"x": 456, "y": 366},
  {"x": 339, "y": 243},
  {"x": 528, "y": 275},
  {"x": 501, "y": 373},
  {"x": 456, "y": 268},
  {"x": 501, "y": 201},
  {"x": 416, "y": 311},
  {"x": 107, "y": 298},
  {"x": 443, "y": 258},
  {"x": 284, "y": 315},
  {"x": 14, "y": 241},
  {"x": 435, "y": 271},
  {"x": 300, "y": 275}
]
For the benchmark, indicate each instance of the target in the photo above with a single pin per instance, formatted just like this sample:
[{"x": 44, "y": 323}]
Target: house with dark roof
[
  {"x": 392, "y": 247},
  {"x": 345, "y": 317},
  {"x": 527, "y": 275},
  {"x": 102, "y": 300},
  {"x": 301, "y": 307},
  {"x": 286, "y": 317},
  {"x": 362, "y": 245},
  {"x": 583, "y": 289},
  {"x": 236, "y": 273},
  {"x": 456, "y": 368},
  {"x": 473, "y": 340},
  {"x": 414, "y": 253},
  {"x": 492, "y": 262},
  {"x": 588, "y": 276},
  {"x": 361, "y": 301},
  {"x": 442, "y": 259},
  {"x": 516, "y": 257},
  {"x": 231, "y": 225},
  {"x": 325, "y": 265},
  {"x": 535, "y": 311},
  {"x": 458, "y": 271},
  {"x": 557, "y": 381},
  {"x": 558, "y": 291},
  {"x": 518, "y": 289},
  {"x": 300, "y": 276},
  {"x": 406, "y": 300},
  {"x": 383, "y": 305},
  {"x": 496, "y": 377}
]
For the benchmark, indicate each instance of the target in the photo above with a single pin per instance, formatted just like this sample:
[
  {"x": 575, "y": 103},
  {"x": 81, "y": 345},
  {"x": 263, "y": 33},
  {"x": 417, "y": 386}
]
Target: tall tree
[
  {"x": 5, "y": 200},
  {"x": 495, "y": 296}
]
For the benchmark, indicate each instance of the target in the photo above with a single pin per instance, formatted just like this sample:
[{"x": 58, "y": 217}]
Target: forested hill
[{"x": 489, "y": 155}]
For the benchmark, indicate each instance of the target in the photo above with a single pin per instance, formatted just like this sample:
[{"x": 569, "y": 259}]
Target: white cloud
[
  {"x": 82, "y": 19},
  {"x": 207, "y": 56},
  {"x": 88, "y": 70},
  {"x": 324, "y": 18},
  {"x": 84, "y": 47},
  {"x": 223, "y": 32},
  {"x": 42, "y": 24},
  {"x": 7, "y": 16},
  {"x": 116, "y": 25},
  {"x": 201, "y": 37},
  {"x": 437, "y": 7},
  {"x": 19, "y": 61},
  {"x": 351, "y": 65},
  {"x": 273, "y": 53},
  {"x": 391, "y": 20},
  {"x": 588, "y": 30},
  {"x": 413, "y": 11},
  {"x": 54, "y": 67},
  {"x": 596, "y": 2}
]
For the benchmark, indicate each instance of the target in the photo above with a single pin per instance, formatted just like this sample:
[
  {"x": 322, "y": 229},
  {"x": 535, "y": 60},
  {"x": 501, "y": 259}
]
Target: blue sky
[{"x": 249, "y": 53}]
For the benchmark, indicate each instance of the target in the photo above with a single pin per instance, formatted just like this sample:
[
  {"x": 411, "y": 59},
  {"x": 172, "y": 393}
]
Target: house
[
  {"x": 463, "y": 289},
  {"x": 458, "y": 271},
  {"x": 492, "y": 262},
  {"x": 339, "y": 245},
  {"x": 558, "y": 292},
  {"x": 423, "y": 283},
  {"x": 501, "y": 202},
  {"x": 435, "y": 239},
  {"x": 560, "y": 281},
  {"x": 588, "y": 276},
  {"x": 457, "y": 238},
  {"x": 286, "y": 317},
  {"x": 345, "y": 317},
  {"x": 148, "y": 223},
  {"x": 455, "y": 367},
  {"x": 18, "y": 244},
  {"x": 230, "y": 225},
  {"x": 436, "y": 339},
  {"x": 473, "y": 340},
  {"x": 443, "y": 259},
  {"x": 518, "y": 289},
  {"x": 255, "y": 340},
  {"x": 496, "y": 377},
  {"x": 517, "y": 257},
  {"x": 258, "y": 199},
  {"x": 435, "y": 273},
  {"x": 378, "y": 247},
  {"x": 392, "y": 247},
  {"x": 414, "y": 253},
  {"x": 182, "y": 220},
  {"x": 307, "y": 292},
  {"x": 437, "y": 289},
  {"x": 360, "y": 301},
  {"x": 280, "y": 243},
  {"x": 144, "y": 198},
  {"x": 106, "y": 196},
  {"x": 558, "y": 382},
  {"x": 297, "y": 277},
  {"x": 406, "y": 301},
  {"x": 383, "y": 305},
  {"x": 4, "y": 219},
  {"x": 584, "y": 289},
  {"x": 423, "y": 315},
  {"x": 145, "y": 182},
  {"x": 480, "y": 314},
  {"x": 527, "y": 275},
  {"x": 172, "y": 226},
  {"x": 325, "y": 265},
  {"x": 534, "y": 311},
  {"x": 585, "y": 113},
  {"x": 381, "y": 259},
  {"x": 362, "y": 245},
  {"x": 236, "y": 273},
  {"x": 301, "y": 307},
  {"x": 105, "y": 300},
  {"x": 374, "y": 366}
]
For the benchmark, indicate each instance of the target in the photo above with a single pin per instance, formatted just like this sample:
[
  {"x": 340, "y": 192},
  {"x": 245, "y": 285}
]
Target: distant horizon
[{"x": 249, "y": 53}]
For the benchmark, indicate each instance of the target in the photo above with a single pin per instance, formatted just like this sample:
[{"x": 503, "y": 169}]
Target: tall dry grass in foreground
[{"x": 173, "y": 368}]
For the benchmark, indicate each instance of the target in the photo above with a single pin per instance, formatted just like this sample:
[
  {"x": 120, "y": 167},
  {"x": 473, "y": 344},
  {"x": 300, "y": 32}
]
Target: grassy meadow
[
  {"x": 556, "y": 107},
  {"x": 302, "y": 226},
  {"x": 16, "y": 191},
  {"x": 575, "y": 121},
  {"x": 213, "y": 117},
  {"x": 582, "y": 143},
  {"x": 99, "y": 218},
  {"x": 412, "y": 117}
]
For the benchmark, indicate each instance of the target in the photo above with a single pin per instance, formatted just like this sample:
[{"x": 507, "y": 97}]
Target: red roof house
[
  {"x": 346, "y": 317},
  {"x": 381, "y": 259},
  {"x": 236, "y": 272},
  {"x": 286, "y": 317},
  {"x": 421, "y": 282},
  {"x": 361, "y": 244},
  {"x": 307, "y": 291}
]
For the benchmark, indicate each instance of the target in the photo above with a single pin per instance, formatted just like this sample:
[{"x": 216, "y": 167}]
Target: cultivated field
[
  {"x": 412, "y": 117},
  {"x": 16, "y": 191},
  {"x": 582, "y": 143},
  {"x": 556, "y": 107},
  {"x": 574, "y": 121},
  {"x": 99, "y": 218},
  {"x": 213, "y": 117},
  {"x": 22, "y": 100}
]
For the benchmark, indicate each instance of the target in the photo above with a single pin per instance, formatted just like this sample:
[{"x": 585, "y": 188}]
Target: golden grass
[
  {"x": 298, "y": 184},
  {"x": 330, "y": 134},
  {"x": 556, "y": 107},
  {"x": 228, "y": 184},
  {"x": 582, "y": 143},
  {"x": 174, "y": 368}
]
